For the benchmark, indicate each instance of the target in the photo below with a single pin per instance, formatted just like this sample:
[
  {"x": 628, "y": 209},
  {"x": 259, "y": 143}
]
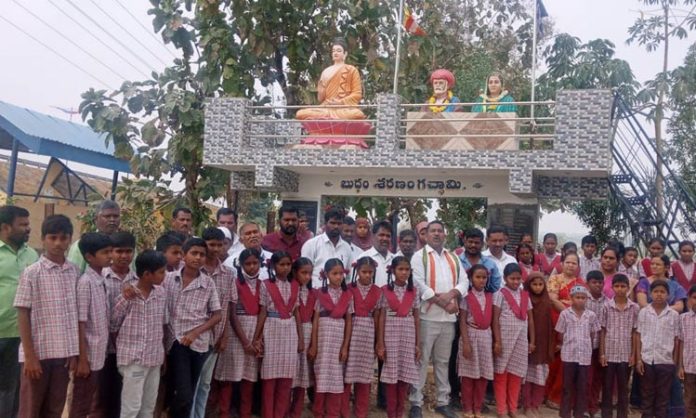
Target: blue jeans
[
  {"x": 9, "y": 384},
  {"x": 200, "y": 396}
]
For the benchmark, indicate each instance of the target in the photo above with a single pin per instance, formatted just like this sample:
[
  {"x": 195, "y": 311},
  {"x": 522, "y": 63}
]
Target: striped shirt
[
  {"x": 49, "y": 290},
  {"x": 619, "y": 325},
  {"x": 139, "y": 324},
  {"x": 577, "y": 335},
  {"x": 93, "y": 311}
]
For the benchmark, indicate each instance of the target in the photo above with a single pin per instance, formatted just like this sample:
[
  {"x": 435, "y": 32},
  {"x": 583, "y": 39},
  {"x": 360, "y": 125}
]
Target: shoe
[
  {"x": 485, "y": 409},
  {"x": 446, "y": 411},
  {"x": 456, "y": 404},
  {"x": 552, "y": 405},
  {"x": 415, "y": 412}
]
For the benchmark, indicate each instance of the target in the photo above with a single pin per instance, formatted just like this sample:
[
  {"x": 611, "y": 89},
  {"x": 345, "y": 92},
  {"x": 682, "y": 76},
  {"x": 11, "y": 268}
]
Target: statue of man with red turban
[{"x": 442, "y": 99}]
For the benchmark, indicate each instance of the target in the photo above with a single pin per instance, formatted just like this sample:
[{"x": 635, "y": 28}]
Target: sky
[{"x": 36, "y": 32}]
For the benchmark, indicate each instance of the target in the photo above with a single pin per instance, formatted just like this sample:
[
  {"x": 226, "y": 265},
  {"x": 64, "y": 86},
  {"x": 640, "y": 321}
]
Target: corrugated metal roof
[{"x": 47, "y": 135}]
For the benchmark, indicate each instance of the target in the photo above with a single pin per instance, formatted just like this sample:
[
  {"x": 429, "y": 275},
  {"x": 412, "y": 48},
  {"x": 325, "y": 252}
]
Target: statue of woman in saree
[{"x": 496, "y": 98}]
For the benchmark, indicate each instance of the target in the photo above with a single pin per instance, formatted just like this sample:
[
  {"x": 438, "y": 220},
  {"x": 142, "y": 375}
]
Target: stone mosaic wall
[{"x": 581, "y": 149}]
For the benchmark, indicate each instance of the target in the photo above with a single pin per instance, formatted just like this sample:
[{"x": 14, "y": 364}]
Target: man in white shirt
[
  {"x": 496, "y": 240},
  {"x": 227, "y": 218},
  {"x": 381, "y": 237},
  {"x": 250, "y": 236},
  {"x": 328, "y": 245},
  {"x": 441, "y": 281}
]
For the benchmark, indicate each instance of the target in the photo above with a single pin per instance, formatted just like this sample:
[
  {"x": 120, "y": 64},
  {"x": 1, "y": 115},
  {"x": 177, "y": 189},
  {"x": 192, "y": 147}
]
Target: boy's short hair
[
  {"x": 588, "y": 239},
  {"x": 496, "y": 229},
  {"x": 91, "y": 242},
  {"x": 595, "y": 275},
  {"x": 348, "y": 220},
  {"x": 659, "y": 283},
  {"x": 168, "y": 239},
  {"x": 56, "y": 224},
  {"x": 407, "y": 233},
  {"x": 122, "y": 239},
  {"x": 9, "y": 213},
  {"x": 225, "y": 211},
  {"x": 692, "y": 290},
  {"x": 473, "y": 233},
  {"x": 194, "y": 242},
  {"x": 627, "y": 249},
  {"x": 213, "y": 233},
  {"x": 620, "y": 278},
  {"x": 149, "y": 261}
]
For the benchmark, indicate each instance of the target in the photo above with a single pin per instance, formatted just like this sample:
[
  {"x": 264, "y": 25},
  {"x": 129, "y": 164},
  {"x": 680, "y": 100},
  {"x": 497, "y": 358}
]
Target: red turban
[{"x": 443, "y": 74}]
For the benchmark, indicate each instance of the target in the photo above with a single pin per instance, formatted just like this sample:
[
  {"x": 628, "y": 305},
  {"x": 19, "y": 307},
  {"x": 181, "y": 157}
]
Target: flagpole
[
  {"x": 534, "y": 56},
  {"x": 399, "y": 25}
]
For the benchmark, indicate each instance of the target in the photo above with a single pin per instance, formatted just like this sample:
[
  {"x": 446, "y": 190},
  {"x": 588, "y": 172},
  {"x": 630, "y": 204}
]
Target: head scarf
[
  {"x": 443, "y": 74},
  {"x": 366, "y": 242},
  {"x": 543, "y": 327}
]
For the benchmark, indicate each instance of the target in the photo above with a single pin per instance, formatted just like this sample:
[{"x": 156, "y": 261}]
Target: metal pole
[
  {"x": 114, "y": 183},
  {"x": 534, "y": 56},
  {"x": 399, "y": 24},
  {"x": 13, "y": 168}
]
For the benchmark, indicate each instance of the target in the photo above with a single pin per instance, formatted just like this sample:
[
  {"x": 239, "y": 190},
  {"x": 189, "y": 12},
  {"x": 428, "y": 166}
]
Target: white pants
[
  {"x": 140, "y": 386},
  {"x": 436, "y": 345}
]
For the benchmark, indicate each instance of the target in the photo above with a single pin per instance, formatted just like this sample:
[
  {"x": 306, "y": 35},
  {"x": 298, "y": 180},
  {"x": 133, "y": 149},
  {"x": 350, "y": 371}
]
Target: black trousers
[
  {"x": 615, "y": 373},
  {"x": 454, "y": 381},
  {"x": 656, "y": 387},
  {"x": 184, "y": 369},
  {"x": 575, "y": 388}
]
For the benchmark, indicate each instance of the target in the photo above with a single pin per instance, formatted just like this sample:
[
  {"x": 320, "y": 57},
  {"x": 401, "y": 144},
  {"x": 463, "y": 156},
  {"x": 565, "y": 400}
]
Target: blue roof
[{"x": 45, "y": 135}]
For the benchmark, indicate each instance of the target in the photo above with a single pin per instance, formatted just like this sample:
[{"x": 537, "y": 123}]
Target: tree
[
  {"x": 654, "y": 31},
  {"x": 682, "y": 124},
  {"x": 226, "y": 46}
]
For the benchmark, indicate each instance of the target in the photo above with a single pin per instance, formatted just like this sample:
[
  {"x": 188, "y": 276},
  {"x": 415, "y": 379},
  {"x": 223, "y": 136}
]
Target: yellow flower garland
[{"x": 437, "y": 109}]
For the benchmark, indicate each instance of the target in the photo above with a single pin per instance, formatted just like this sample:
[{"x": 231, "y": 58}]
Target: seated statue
[
  {"x": 496, "y": 98},
  {"x": 339, "y": 85},
  {"x": 442, "y": 99}
]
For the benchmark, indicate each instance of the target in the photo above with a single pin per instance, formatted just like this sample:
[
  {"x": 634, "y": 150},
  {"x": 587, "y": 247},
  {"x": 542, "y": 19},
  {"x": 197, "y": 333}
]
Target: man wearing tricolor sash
[{"x": 441, "y": 280}]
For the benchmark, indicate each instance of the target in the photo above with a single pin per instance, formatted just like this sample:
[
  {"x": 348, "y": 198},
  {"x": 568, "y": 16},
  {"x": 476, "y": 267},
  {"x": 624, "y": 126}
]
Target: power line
[
  {"x": 100, "y": 81},
  {"x": 97, "y": 24},
  {"x": 145, "y": 28},
  {"x": 71, "y": 41},
  {"x": 98, "y": 39},
  {"x": 127, "y": 32}
]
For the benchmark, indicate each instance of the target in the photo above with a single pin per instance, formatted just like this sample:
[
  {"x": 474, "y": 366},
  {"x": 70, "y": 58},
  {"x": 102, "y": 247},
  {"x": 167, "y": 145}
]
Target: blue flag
[{"x": 541, "y": 13}]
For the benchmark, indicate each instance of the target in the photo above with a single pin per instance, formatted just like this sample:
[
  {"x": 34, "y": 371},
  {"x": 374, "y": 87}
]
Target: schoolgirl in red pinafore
[
  {"x": 360, "y": 367},
  {"x": 304, "y": 375},
  {"x": 683, "y": 269},
  {"x": 398, "y": 338},
  {"x": 527, "y": 260},
  {"x": 511, "y": 321},
  {"x": 548, "y": 260},
  {"x": 240, "y": 362},
  {"x": 331, "y": 333},
  {"x": 277, "y": 332},
  {"x": 475, "y": 357}
]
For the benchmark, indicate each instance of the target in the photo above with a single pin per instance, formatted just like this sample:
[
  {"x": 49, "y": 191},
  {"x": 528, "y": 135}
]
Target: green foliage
[
  {"x": 603, "y": 217},
  {"x": 682, "y": 125},
  {"x": 460, "y": 215}
]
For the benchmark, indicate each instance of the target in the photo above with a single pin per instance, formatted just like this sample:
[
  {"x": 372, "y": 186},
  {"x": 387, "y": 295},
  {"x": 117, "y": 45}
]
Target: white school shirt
[
  {"x": 501, "y": 262},
  {"x": 382, "y": 264},
  {"x": 443, "y": 281},
  {"x": 320, "y": 249},
  {"x": 657, "y": 333},
  {"x": 232, "y": 260},
  {"x": 236, "y": 247}
]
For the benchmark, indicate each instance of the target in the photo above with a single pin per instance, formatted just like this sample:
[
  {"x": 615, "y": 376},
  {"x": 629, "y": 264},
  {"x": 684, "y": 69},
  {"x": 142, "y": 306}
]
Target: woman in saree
[
  {"x": 339, "y": 85},
  {"x": 559, "y": 286},
  {"x": 496, "y": 98}
]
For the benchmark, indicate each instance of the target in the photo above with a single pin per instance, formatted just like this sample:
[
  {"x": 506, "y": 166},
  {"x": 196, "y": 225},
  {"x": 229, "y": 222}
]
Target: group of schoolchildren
[{"x": 182, "y": 322}]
